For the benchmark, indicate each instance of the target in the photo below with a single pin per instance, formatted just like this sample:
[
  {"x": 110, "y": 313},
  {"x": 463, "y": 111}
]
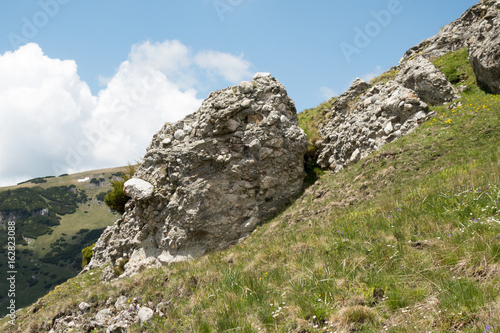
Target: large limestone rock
[
  {"x": 428, "y": 82},
  {"x": 484, "y": 49},
  {"x": 208, "y": 180},
  {"x": 371, "y": 119}
]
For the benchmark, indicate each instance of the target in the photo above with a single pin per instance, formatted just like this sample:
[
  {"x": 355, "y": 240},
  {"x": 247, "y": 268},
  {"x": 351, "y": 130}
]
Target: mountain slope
[
  {"x": 405, "y": 240},
  {"x": 56, "y": 217}
]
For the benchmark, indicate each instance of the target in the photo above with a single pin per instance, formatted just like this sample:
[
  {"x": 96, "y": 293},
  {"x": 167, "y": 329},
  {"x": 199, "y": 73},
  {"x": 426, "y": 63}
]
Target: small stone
[
  {"x": 261, "y": 75},
  {"x": 103, "y": 316},
  {"x": 255, "y": 144},
  {"x": 246, "y": 103},
  {"x": 419, "y": 115},
  {"x": 388, "y": 128},
  {"x": 245, "y": 87},
  {"x": 145, "y": 314},
  {"x": 179, "y": 135},
  {"x": 355, "y": 155},
  {"x": 265, "y": 153},
  {"x": 232, "y": 125},
  {"x": 138, "y": 189},
  {"x": 166, "y": 142},
  {"x": 83, "y": 306}
]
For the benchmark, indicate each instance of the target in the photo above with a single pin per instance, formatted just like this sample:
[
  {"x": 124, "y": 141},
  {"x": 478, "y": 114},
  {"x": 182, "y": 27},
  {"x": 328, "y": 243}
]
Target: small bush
[
  {"x": 101, "y": 196},
  {"x": 87, "y": 255},
  {"x": 121, "y": 267},
  {"x": 116, "y": 199}
]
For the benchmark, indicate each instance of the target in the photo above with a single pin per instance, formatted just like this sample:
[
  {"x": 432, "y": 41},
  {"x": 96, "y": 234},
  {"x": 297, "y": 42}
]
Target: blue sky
[{"x": 86, "y": 57}]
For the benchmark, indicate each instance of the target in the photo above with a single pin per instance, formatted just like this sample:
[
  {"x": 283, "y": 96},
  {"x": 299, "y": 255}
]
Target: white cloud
[
  {"x": 51, "y": 124},
  {"x": 376, "y": 72},
  {"x": 41, "y": 102},
  {"x": 226, "y": 65}
]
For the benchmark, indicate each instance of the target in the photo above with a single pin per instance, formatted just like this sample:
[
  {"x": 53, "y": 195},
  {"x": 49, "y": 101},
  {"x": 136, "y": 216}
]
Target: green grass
[
  {"x": 406, "y": 240},
  {"x": 90, "y": 216},
  {"x": 385, "y": 77},
  {"x": 310, "y": 119}
]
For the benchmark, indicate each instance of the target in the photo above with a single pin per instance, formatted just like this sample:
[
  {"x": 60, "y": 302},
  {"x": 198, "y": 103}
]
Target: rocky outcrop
[
  {"x": 428, "y": 82},
  {"x": 6, "y": 217},
  {"x": 361, "y": 124},
  {"x": 484, "y": 49},
  {"x": 345, "y": 100},
  {"x": 479, "y": 30},
  {"x": 208, "y": 180},
  {"x": 451, "y": 37},
  {"x": 362, "y": 121}
]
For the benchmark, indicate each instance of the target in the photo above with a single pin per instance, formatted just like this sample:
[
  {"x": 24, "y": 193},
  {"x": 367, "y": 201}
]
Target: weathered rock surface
[
  {"x": 484, "y": 49},
  {"x": 208, "y": 180},
  {"x": 428, "y": 82},
  {"x": 361, "y": 124},
  {"x": 344, "y": 101}
]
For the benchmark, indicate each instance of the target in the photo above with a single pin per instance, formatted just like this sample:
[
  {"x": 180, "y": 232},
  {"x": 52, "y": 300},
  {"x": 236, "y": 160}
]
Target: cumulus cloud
[
  {"x": 225, "y": 65},
  {"x": 41, "y": 102},
  {"x": 52, "y": 124}
]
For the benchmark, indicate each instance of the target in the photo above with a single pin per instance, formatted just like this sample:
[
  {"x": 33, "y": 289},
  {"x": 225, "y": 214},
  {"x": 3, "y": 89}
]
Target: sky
[{"x": 84, "y": 84}]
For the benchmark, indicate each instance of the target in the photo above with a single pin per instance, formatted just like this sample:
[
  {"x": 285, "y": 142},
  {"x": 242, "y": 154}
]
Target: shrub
[
  {"x": 101, "y": 196},
  {"x": 87, "y": 255},
  {"x": 120, "y": 269},
  {"x": 116, "y": 199}
]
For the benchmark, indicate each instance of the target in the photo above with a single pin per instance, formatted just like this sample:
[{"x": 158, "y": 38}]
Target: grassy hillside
[
  {"x": 406, "y": 240},
  {"x": 310, "y": 120},
  {"x": 49, "y": 246}
]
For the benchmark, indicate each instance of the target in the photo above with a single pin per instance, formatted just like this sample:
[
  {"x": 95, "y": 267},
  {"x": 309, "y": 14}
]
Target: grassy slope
[
  {"x": 310, "y": 120},
  {"x": 407, "y": 240}
]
